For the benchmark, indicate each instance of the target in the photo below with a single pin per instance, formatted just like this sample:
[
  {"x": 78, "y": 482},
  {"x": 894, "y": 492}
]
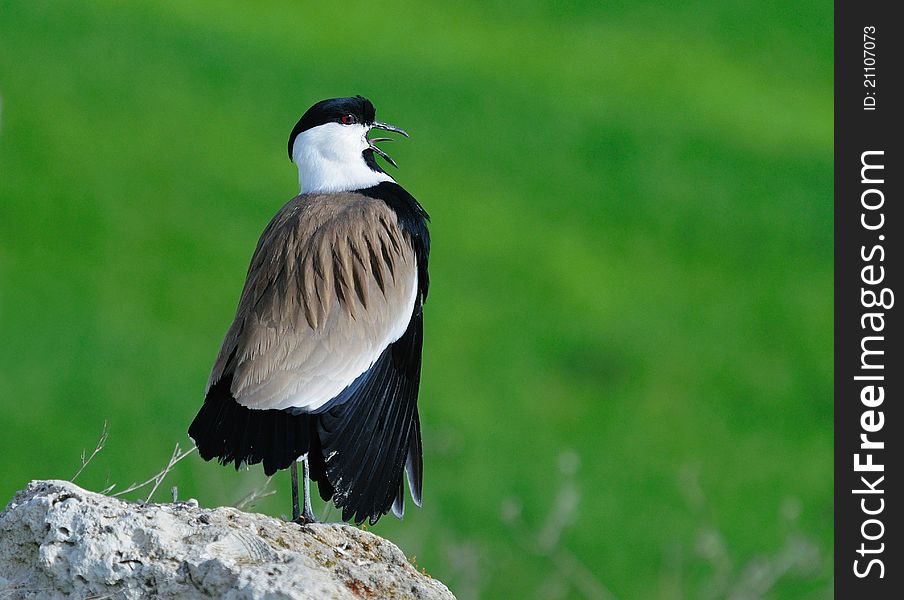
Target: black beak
[
  {"x": 373, "y": 141},
  {"x": 388, "y": 127}
]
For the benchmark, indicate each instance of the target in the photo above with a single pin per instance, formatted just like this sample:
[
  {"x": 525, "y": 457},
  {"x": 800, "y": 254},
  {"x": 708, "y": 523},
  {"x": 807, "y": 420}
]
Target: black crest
[{"x": 331, "y": 111}]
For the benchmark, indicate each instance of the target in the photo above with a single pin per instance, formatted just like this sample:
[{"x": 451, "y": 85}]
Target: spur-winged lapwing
[{"x": 323, "y": 359}]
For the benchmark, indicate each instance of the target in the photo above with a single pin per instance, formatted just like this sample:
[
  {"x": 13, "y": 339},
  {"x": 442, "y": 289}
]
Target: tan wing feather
[{"x": 331, "y": 283}]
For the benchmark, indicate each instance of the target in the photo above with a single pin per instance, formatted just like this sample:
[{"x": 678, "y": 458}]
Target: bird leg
[
  {"x": 308, "y": 515},
  {"x": 295, "y": 511},
  {"x": 308, "y": 509}
]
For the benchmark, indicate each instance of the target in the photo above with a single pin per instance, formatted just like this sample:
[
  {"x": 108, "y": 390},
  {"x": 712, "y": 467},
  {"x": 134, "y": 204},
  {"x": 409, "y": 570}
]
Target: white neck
[{"x": 329, "y": 159}]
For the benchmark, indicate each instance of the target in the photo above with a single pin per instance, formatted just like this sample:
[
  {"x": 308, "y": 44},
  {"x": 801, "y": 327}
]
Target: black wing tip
[
  {"x": 398, "y": 505},
  {"x": 234, "y": 434},
  {"x": 414, "y": 463},
  {"x": 369, "y": 437}
]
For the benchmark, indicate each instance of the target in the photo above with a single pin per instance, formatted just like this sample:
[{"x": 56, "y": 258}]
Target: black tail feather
[
  {"x": 232, "y": 433},
  {"x": 317, "y": 467},
  {"x": 414, "y": 464},
  {"x": 398, "y": 505}
]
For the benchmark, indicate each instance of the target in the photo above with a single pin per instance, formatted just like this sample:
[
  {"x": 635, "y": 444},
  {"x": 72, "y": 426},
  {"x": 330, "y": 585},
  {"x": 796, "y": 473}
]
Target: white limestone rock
[{"x": 58, "y": 540}]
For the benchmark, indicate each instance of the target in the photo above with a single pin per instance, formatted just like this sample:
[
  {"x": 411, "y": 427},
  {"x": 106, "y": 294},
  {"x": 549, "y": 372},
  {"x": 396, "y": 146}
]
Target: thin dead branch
[
  {"x": 97, "y": 448},
  {"x": 156, "y": 480},
  {"x": 256, "y": 494}
]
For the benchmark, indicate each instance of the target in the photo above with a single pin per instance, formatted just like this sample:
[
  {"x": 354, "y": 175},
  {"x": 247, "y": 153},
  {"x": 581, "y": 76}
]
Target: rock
[{"x": 60, "y": 541}]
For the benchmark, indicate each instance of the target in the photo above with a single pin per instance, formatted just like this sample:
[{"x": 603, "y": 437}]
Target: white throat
[{"x": 329, "y": 159}]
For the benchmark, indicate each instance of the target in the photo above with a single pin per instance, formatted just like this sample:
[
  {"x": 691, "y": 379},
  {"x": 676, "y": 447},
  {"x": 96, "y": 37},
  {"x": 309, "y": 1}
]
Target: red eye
[{"x": 348, "y": 119}]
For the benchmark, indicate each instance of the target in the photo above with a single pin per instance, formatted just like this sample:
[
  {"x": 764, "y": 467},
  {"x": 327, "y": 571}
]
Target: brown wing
[{"x": 331, "y": 284}]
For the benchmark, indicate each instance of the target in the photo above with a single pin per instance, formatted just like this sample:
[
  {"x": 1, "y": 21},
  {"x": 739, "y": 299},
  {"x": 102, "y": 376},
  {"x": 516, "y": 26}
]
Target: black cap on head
[{"x": 333, "y": 111}]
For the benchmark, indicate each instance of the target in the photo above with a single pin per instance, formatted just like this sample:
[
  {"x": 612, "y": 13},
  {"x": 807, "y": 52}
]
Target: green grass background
[{"x": 632, "y": 225}]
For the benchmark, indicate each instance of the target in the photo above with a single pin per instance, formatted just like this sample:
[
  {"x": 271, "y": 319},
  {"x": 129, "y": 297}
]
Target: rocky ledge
[{"x": 58, "y": 540}]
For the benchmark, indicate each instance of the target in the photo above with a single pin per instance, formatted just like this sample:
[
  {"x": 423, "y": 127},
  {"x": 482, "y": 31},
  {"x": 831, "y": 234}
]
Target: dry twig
[
  {"x": 156, "y": 480},
  {"x": 256, "y": 494},
  {"x": 97, "y": 448}
]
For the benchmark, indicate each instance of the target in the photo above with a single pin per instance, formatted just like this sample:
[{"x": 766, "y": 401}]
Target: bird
[{"x": 322, "y": 362}]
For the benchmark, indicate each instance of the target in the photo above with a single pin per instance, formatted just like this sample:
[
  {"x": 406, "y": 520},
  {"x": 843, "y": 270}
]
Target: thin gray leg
[
  {"x": 294, "y": 470},
  {"x": 308, "y": 509}
]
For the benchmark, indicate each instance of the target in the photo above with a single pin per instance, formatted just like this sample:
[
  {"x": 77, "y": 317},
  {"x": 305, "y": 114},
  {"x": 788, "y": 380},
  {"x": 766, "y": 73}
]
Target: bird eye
[{"x": 348, "y": 119}]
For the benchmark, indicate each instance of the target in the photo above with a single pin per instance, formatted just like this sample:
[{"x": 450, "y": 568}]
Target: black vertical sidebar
[{"x": 869, "y": 370}]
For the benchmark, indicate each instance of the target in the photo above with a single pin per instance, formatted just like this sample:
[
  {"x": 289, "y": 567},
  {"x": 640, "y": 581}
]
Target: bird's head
[{"x": 330, "y": 147}]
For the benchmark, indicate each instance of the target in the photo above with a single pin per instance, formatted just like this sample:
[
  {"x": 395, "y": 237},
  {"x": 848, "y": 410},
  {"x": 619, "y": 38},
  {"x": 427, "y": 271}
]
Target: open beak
[
  {"x": 388, "y": 127},
  {"x": 373, "y": 141}
]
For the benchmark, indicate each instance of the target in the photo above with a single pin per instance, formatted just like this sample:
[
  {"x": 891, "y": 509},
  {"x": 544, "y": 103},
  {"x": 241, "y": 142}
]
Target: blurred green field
[{"x": 630, "y": 317}]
